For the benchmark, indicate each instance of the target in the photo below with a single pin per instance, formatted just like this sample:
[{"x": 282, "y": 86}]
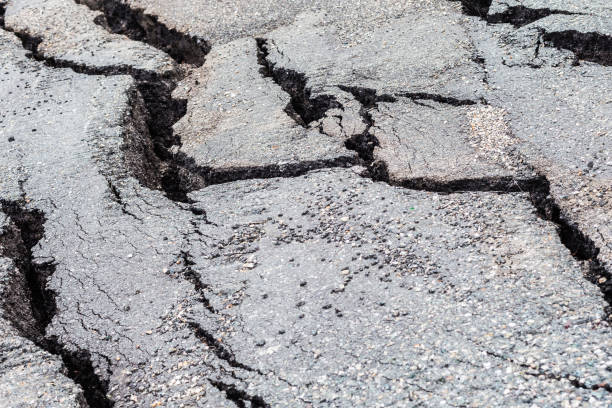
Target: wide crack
[
  {"x": 302, "y": 108},
  {"x": 520, "y": 16},
  {"x": 418, "y": 96},
  {"x": 580, "y": 245},
  {"x": 593, "y": 47},
  {"x": 16, "y": 243},
  {"x": 477, "y": 8},
  {"x": 120, "y": 18}
]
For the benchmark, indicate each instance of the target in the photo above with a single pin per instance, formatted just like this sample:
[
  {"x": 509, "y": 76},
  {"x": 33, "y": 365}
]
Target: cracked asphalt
[{"x": 304, "y": 204}]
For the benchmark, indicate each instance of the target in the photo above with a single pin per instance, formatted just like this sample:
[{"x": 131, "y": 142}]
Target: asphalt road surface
[{"x": 305, "y": 203}]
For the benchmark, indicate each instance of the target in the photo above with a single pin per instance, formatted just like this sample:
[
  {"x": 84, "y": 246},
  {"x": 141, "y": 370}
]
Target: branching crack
[
  {"x": 302, "y": 108},
  {"x": 365, "y": 142},
  {"x": 27, "y": 228}
]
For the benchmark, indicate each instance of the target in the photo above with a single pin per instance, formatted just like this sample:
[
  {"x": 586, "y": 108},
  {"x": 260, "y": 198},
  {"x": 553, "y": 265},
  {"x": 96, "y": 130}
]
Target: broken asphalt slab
[{"x": 137, "y": 270}]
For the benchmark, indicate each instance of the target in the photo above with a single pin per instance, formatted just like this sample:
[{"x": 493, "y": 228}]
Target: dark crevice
[
  {"x": 36, "y": 303},
  {"x": 593, "y": 47},
  {"x": 416, "y": 96},
  {"x": 120, "y": 18},
  {"x": 491, "y": 184},
  {"x": 302, "y": 108},
  {"x": 27, "y": 229},
  {"x": 477, "y": 8},
  {"x": 520, "y": 16},
  {"x": 365, "y": 142},
  {"x": 239, "y": 397},
  {"x": 579, "y": 244},
  {"x": 587, "y": 46},
  {"x": 218, "y": 349}
]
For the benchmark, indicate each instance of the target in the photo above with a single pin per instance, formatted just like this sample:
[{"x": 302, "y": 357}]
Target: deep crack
[
  {"x": 32, "y": 319},
  {"x": 417, "y": 96},
  {"x": 520, "y": 16},
  {"x": 302, "y": 108},
  {"x": 477, "y": 8},
  {"x": 365, "y": 142},
  {"x": 134, "y": 23},
  {"x": 578, "y": 243},
  {"x": 593, "y": 47}
]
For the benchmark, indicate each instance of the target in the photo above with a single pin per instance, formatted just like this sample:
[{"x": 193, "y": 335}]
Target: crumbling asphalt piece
[
  {"x": 423, "y": 52},
  {"x": 574, "y": 154},
  {"x": 581, "y": 27},
  {"x": 155, "y": 82},
  {"x": 224, "y": 22}
]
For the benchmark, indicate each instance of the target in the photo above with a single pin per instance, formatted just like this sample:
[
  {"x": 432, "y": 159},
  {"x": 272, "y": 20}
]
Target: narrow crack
[
  {"x": 302, "y": 108},
  {"x": 581, "y": 247},
  {"x": 32, "y": 319},
  {"x": 193, "y": 277},
  {"x": 520, "y": 16},
  {"x": 218, "y": 349},
  {"x": 239, "y": 397},
  {"x": 134, "y": 23},
  {"x": 537, "y": 372}
]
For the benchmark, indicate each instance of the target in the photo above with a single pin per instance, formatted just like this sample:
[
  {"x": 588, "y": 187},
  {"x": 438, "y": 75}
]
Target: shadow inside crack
[
  {"x": 30, "y": 306},
  {"x": 302, "y": 108}
]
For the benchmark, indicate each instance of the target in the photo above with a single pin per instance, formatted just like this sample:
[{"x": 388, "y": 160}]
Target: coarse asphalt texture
[{"x": 305, "y": 203}]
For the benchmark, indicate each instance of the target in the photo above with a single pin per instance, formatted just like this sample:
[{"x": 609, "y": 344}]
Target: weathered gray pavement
[{"x": 304, "y": 204}]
